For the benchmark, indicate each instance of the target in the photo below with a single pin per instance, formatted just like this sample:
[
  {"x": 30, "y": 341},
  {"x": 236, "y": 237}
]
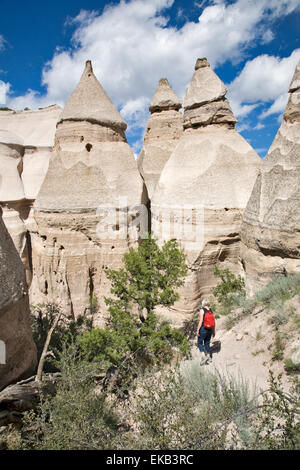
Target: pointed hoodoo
[
  {"x": 271, "y": 221},
  {"x": 163, "y": 130},
  {"x": 91, "y": 194},
  {"x": 204, "y": 102},
  {"x": 89, "y": 102},
  {"x": 205, "y": 185},
  {"x": 164, "y": 98}
]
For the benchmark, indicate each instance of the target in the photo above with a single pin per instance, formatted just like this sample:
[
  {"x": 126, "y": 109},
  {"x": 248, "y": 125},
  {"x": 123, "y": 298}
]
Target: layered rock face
[
  {"x": 163, "y": 130},
  {"x": 88, "y": 208},
  {"x": 36, "y": 131},
  {"x": 26, "y": 141},
  {"x": 12, "y": 195},
  {"x": 17, "y": 349},
  {"x": 271, "y": 221},
  {"x": 205, "y": 186}
]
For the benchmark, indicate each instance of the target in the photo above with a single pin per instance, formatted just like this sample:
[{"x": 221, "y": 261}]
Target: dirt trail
[{"x": 242, "y": 351}]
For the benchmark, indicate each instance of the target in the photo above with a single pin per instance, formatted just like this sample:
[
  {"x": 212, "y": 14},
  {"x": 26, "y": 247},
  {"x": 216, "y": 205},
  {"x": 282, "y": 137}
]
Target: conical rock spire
[
  {"x": 204, "y": 102},
  {"x": 163, "y": 130},
  {"x": 89, "y": 199},
  {"x": 89, "y": 102},
  {"x": 205, "y": 185},
  {"x": 204, "y": 87},
  {"x": 164, "y": 98}
]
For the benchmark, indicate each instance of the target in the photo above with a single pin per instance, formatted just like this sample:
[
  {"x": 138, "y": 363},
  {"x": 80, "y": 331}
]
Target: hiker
[{"x": 205, "y": 330}]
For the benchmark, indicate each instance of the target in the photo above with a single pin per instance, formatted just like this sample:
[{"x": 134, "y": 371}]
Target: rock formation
[
  {"x": 163, "y": 130},
  {"x": 26, "y": 141},
  {"x": 271, "y": 221},
  {"x": 205, "y": 186},
  {"x": 17, "y": 349},
  {"x": 12, "y": 196},
  {"x": 36, "y": 130},
  {"x": 88, "y": 208}
]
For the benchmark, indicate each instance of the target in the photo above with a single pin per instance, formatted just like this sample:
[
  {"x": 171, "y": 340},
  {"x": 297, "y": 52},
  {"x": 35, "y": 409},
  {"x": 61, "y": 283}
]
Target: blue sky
[{"x": 253, "y": 46}]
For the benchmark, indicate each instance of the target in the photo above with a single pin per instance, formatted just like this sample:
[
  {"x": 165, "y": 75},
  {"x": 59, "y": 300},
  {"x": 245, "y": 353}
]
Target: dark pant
[{"x": 204, "y": 340}]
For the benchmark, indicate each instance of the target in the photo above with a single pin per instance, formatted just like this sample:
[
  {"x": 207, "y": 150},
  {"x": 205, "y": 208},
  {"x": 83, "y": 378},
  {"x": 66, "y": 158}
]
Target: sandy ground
[{"x": 245, "y": 350}]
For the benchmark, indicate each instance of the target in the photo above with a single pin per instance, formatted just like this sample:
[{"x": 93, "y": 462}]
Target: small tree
[
  {"x": 150, "y": 276},
  {"x": 129, "y": 340},
  {"x": 230, "y": 286}
]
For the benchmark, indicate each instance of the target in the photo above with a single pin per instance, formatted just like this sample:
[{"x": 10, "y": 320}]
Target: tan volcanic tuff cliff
[
  {"x": 205, "y": 186},
  {"x": 12, "y": 195},
  {"x": 26, "y": 140},
  {"x": 88, "y": 208},
  {"x": 163, "y": 130},
  {"x": 17, "y": 349},
  {"x": 271, "y": 221},
  {"x": 36, "y": 129}
]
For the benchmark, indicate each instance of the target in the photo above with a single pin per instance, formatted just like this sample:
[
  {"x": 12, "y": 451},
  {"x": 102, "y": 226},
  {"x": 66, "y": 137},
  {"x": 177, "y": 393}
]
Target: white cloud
[
  {"x": 259, "y": 126},
  {"x": 4, "y": 89},
  {"x": 243, "y": 127},
  {"x": 132, "y": 45},
  {"x": 265, "y": 79},
  {"x": 267, "y": 36},
  {"x": 136, "y": 112},
  {"x": 277, "y": 107}
]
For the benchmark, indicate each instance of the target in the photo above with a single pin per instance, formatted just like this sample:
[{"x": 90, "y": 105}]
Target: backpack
[{"x": 208, "y": 319}]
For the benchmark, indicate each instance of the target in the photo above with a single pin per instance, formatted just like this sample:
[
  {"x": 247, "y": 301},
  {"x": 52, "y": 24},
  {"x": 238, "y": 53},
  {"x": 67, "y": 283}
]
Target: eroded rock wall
[
  {"x": 18, "y": 351},
  {"x": 163, "y": 130},
  {"x": 271, "y": 221},
  {"x": 205, "y": 185},
  {"x": 86, "y": 209}
]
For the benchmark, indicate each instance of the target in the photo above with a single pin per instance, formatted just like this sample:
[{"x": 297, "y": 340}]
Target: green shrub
[
  {"x": 77, "y": 418},
  {"x": 133, "y": 336},
  {"x": 276, "y": 424},
  {"x": 42, "y": 318},
  {"x": 126, "y": 344},
  {"x": 278, "y": 291},
  {"x": 166, "y": 417},
  {"x": 230, "y": 286},
  {"x": 179, "y": 408},
  {"x": 226, "y": 394},
  {"x": 187, "y": 409},
  {"x": 229, "y": 292},
  {"x": 278, "y": 351},
  {"x": 150, "y": 276},
  {"x": 279, "y": 318},
  {"x": 290, "y": 367},
  {"x": 93, "y": 303}
]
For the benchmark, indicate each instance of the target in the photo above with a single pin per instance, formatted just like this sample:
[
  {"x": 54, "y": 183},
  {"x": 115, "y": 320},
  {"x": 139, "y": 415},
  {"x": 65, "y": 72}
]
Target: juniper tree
[{"x": 150, "y": 277}]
